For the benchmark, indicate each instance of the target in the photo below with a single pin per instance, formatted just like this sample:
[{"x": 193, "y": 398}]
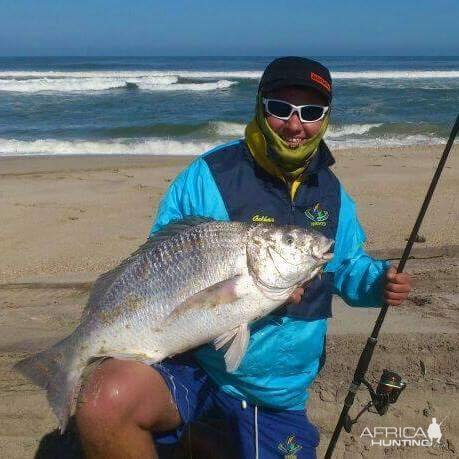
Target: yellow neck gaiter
[{"x": 273, "y": 152}]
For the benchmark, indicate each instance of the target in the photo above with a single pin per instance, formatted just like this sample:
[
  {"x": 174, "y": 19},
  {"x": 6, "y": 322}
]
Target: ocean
[{"x": 186, "y": 105}]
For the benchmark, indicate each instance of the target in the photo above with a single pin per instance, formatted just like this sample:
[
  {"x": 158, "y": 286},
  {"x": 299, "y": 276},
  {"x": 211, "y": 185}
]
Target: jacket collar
[{"x": 322, "y": 159}]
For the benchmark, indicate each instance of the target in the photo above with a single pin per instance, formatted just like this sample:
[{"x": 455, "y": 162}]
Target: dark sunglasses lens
[
  {"x": 279, "y": 108},
  {"x": 311, "y": 113}
]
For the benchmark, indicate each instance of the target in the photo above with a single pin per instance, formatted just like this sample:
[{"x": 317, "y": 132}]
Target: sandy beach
[{"x": 65, "y": 220}]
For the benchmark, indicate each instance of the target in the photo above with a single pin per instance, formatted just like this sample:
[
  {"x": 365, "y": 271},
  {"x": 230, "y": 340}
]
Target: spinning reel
[{"x": 389, "y": 388}]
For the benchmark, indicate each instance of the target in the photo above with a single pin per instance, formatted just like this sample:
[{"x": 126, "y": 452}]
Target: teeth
[{"x": 292, "y": 143}]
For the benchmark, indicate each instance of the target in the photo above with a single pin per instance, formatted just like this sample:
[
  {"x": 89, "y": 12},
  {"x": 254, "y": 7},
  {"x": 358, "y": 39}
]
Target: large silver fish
[{"x": 196, "y": 281}]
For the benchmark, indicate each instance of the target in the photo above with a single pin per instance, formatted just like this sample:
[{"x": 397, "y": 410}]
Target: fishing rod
[{"x": 391, "y": 384}]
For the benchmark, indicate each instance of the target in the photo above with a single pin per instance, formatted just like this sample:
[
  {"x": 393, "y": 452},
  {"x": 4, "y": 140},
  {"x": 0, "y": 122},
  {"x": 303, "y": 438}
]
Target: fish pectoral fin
[
  {"x": 224, "y": 292},
  {"x": 239, "y": 338},
  {"x": 224, "y": 339}
]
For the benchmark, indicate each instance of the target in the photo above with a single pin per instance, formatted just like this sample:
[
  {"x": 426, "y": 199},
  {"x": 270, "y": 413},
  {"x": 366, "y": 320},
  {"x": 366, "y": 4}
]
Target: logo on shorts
[
  {"x": 317, "y": 215},
  {"x": 289, "y": 447}
]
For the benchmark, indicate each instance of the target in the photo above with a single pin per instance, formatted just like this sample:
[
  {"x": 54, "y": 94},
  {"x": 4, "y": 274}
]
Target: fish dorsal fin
[
  {"x": 176, "y": 227},
  {"x": 105, "y": 281}
]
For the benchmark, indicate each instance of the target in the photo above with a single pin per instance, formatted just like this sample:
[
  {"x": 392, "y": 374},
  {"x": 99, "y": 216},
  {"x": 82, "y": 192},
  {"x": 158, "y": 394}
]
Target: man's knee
[{"x": 117, "y": 392}]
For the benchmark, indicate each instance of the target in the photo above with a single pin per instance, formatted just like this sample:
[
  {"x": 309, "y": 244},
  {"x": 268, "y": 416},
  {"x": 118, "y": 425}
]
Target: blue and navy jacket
[{"x": 286, "y": 349}]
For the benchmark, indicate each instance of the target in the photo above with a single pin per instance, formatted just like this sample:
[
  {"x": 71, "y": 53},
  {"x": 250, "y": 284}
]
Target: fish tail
[{"x": 52, "y": 370}]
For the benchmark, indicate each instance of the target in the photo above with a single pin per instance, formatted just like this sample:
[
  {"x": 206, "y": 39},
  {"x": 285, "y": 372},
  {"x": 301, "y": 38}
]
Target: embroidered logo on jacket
[
  {"x": 317, "y": 215},
  {"x": 289, "y": 447},
  {"x": 262, "y": 219}
]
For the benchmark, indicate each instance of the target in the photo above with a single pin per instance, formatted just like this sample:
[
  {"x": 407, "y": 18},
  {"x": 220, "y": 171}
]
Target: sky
[{"x": 235, "y": 27}]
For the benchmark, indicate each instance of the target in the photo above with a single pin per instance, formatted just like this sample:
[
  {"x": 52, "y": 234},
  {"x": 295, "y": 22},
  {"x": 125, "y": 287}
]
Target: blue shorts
[{"x": 256, "y": 431}]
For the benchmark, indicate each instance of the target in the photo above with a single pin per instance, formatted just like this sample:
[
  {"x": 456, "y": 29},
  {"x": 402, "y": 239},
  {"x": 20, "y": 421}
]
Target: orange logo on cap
[{"x": 321, "y": 81}]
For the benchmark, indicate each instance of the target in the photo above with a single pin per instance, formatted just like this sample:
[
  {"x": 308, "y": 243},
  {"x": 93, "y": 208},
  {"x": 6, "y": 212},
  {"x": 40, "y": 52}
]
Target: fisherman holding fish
[{"x": 257, "y": 374}]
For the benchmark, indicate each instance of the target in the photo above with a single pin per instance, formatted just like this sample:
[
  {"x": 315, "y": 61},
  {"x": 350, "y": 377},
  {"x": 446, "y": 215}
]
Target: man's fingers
[
  {"x": 394, "y": 302},
  {"x": 296, "y": 295},
  {"x": 394, "y": 296},
  {"x": 399, "y": 278},
  {"x": 391, "y": 273},
  {"x": 402, "y": 278},
  {"x": 398, "y": 288}
]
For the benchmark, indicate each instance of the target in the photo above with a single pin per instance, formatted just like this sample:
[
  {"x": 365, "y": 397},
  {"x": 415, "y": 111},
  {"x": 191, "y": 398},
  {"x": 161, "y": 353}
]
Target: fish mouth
[
  {"x": 324, "y": 259},
  {"x": 324, "y": 255}
]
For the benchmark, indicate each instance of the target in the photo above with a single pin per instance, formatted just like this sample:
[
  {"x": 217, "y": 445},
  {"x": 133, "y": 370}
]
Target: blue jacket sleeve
[
  {"x": 358, "y": 278},
  {"x": 193, "y": 193}
]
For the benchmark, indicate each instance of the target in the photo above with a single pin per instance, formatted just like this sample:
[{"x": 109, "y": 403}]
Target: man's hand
[
  {"x": 397, "y": 287},
  {"x": 295, "y": 297}
]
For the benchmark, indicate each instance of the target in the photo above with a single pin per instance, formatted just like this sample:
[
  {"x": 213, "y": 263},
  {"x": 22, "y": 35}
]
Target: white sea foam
[
  {"x": 68, "y": 84},
  {"x": 132, "y": 74},
  {"x": 388, "y": 141},
  {"x": 36, "y": 81},
  {"x": 156, "y": 146},
  {"x": 242, "y": 74},
  {"x": 150, "y": 146},
  {"x": 158, "y": 83},
  {"x": 153, "y": 80},
  {"x": 396, "y": 74},
  {"x": 227, "y": 129},
  {"x": 334, "y": 132},
  {"x": 220, "y": 84}
]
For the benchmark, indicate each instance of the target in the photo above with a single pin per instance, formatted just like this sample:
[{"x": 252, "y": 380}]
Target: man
[{"x": 278, "y": 173}]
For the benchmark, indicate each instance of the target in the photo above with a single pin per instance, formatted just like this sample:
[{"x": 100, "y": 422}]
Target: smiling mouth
[{"x": 294, "y": 143}]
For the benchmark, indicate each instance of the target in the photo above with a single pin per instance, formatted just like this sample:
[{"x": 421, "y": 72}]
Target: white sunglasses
[{"x": 284, "y": 110}]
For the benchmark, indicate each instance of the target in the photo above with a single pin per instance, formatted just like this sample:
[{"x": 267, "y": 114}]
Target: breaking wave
[
  {"x": 385, "y": 142},
  {"x": 12, "y": 147},
  {"x": 225, "y": 128},
  {"x": 132, "y": 74},
  {"x": 156, "y": 83},
  {"x": 396, "y": 74},
  {"x": 240, "y": 75},
  {"x": 181, "y": 80},
  {"x": 350, "y": 129},
  {"x": 80, "y": 84},
  {"x": 158, "y": 146},
  {"x": 220, "y": 84}
]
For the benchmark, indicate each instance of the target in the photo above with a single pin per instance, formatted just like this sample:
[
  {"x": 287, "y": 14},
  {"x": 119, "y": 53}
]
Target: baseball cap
[{"x": 296, "y": 71}]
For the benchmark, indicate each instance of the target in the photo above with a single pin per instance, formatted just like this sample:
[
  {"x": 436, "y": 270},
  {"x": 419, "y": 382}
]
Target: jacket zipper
[
  {"x": 292, "y": 205},
  {"x": 292, "y": 212},
  {"x": 292, "y": 199}
]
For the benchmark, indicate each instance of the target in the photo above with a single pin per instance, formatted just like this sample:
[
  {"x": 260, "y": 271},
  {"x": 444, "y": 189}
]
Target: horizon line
[{"x": 216, "y": 55}]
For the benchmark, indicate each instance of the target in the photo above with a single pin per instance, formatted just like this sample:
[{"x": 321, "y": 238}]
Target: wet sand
[{"x": 63, "y": 221}]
